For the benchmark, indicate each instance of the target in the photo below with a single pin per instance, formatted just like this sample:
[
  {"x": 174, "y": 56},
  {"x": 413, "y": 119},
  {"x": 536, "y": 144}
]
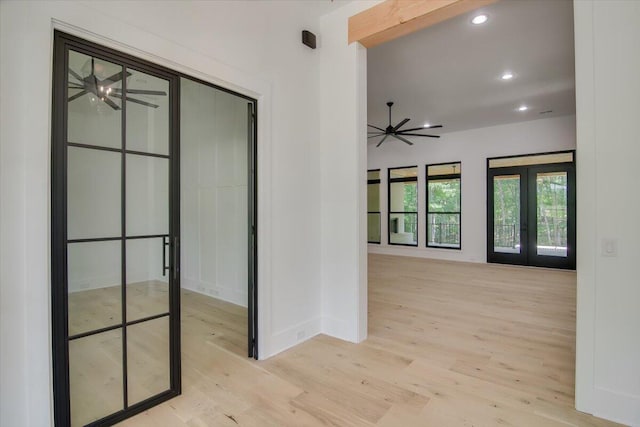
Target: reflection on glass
[
  {"x": 404, "y": 197},
  {"x": 506, "y": 214},
  {"x": 94, "y": 114},
  {"x": 374, "y": 174},
  {"x": 93, "y": 193},
  {"x": 403, "y": 229},
  {"x": 147, "y": 113},
  {"x": 373, "y": 197},
  {"x": 147, "y": 359},
  {"x": 147, "y": 281},
  {"x": 551, "y": 196},
  {"x": 95, "y": 297},
  {"x": 95, "y": 376},
  {"x": 147, "y": 195},
  {"x": 373, "y": 227}
]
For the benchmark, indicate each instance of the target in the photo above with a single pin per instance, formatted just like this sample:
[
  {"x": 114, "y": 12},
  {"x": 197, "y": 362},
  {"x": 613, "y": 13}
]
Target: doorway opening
[{"x": 117, "y": 248}]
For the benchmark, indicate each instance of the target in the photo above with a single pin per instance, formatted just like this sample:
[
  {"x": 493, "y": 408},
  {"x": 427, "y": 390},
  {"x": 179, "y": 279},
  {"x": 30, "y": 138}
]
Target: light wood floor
[{"x": 450, "y": 344}]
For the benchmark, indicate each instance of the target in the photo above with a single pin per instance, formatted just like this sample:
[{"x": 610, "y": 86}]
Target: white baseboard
[
  {"x": 418, "y": 252},
  {"x": 292, "y": 336},
  {"x": 338, "y": 329},
  {"x": 615, "y": 406},
  {"x": 220, "y": 292}
]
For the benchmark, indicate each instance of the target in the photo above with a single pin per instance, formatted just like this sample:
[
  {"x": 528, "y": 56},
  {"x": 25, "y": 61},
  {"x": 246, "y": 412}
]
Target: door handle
[
  {"x": 176, "y": 257},
  {"x": 165, "y": 243}
]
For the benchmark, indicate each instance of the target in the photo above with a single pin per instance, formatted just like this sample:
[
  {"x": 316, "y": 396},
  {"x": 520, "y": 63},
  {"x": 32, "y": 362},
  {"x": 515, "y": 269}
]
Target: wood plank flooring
[{"x": 450, "y": 344}]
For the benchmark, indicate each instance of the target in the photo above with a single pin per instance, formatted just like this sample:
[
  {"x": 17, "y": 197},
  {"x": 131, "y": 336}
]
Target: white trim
[{"x": 586, "y": 202}]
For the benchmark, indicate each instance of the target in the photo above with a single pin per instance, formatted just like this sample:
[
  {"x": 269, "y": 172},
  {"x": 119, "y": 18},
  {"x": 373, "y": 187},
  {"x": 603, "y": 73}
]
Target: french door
[
  {"x": 531, "y": 215},
  {"x": 115, "y": 234}
]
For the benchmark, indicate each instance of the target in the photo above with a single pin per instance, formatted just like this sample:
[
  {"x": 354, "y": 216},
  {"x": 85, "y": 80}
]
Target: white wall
[
  {"x": 343, "y": 124},
  {"x": 253, "y": 47},
  {"x": 472, "y": 148},
  {"x": 214, "y": 211},
  {"x": 608, "y": 107}
]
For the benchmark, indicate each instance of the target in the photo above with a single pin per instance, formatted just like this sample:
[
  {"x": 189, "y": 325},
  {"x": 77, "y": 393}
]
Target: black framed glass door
[
  {"x": 531, "y": 215},
  {"x": 115, "y": 234}
]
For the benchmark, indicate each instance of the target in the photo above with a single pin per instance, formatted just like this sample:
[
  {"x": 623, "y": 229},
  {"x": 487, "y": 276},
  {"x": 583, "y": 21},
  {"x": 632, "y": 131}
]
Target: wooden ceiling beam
[{"x": 396, "y": 18}]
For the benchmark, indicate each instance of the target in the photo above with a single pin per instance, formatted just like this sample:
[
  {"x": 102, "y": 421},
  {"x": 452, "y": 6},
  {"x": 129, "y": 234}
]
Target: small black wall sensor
[{"x": 308, "y": 39}]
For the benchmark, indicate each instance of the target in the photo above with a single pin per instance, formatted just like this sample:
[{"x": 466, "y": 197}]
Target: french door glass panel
[
  {"x": 90, "y": 120},
  {"x": 147, "y": 280},
  {"x": 551, "y": 212},
  {"x": 95, "y": 376},
  {"x": 147, "y": 192},
  {"x": 147, "y": 113},
  {"x": 95, "y": 298},
  {"x": 148, "y": 359},
  {"x": 506, "y": 214},
  {"x": 93, "y": 193}
]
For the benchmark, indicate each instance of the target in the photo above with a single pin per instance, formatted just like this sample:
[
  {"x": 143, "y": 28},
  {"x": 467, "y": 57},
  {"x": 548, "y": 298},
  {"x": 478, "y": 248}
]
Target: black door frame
[
  {"x": 528, "y": 204},
  {"x": 59, "y": 274}
]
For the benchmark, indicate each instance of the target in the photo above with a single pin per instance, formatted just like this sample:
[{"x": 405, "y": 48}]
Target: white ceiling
[{"x": 450, "y": 73}]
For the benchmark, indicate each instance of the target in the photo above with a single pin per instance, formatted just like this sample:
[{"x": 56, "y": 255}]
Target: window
[
  {"x": 443, "y": 205},
  {"x": 373, "y": 206},
  {"x": 403, "y": 206}
]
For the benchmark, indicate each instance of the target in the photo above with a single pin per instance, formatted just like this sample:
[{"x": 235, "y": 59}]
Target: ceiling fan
[
  {"x": 103, "y": 90},
  {"x": 395, "y": 131}
]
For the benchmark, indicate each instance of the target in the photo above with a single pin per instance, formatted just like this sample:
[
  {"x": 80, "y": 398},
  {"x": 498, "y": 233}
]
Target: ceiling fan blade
[
  {"x": 141, "y": 102},
  {"x": 76, "y": 75},
  {"x": 399, "y": 125},
  {"x": 421, "y": 128},
  {"x": 77, "y": 95},
  {"x": 110, "y": 103},
  {"x": 376, "y": 127},
  {"x": 142, "y": 92},
  {"x": 406, "y": 141},
  {"x": 75, "y": 86},
  {"x": 114, "y": 78},
  {"x": 418, "y": 134},
  {"x": 376, "y": 135},
  {"x": 382, "y": 140}
]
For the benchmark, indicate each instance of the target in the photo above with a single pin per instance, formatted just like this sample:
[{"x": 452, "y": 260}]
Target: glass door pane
[
  {"x": 506, "y": 214},
  {"x": 551, "y": 214}
]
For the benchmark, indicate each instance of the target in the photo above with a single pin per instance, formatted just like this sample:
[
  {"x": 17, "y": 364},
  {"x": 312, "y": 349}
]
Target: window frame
[
  {"x": 451, "y": 176},
  {"x": 379, "y": 212},
  {"x": 390, "y": 212}
]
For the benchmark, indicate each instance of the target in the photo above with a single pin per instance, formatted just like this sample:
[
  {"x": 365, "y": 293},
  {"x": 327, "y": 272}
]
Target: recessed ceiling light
[
  {"x": 427, "y": 125},
  {"x": 523, "y": 108},
  {"x": 507, "y": 75},
  {"x": 479, "y": 19}
]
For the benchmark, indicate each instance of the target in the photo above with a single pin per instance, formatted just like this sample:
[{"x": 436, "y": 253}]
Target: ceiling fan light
[
  {"x": 507, "y": 75},
  {"x": 523, "y": 108},
  {"x": 479, "y": 19},
  {"x": 427, "y": 125}
]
